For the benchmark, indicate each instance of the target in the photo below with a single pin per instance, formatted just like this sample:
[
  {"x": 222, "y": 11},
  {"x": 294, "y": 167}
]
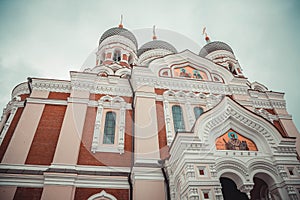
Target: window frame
[
  {"x": 118, "y": 106},
  {"x": 181, "y": 126}
]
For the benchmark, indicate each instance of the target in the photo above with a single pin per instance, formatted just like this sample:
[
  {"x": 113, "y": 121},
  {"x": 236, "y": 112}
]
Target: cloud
[{"x": 50, "y": 38}]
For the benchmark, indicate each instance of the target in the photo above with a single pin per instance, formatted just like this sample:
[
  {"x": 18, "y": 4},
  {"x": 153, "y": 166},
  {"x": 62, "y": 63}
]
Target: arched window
[
  {"x": 177, "y": 118},
  {"x": 109, "y": 128},
  {"x": 198, "y": 111},
  {"x": 117, "y": 56}
]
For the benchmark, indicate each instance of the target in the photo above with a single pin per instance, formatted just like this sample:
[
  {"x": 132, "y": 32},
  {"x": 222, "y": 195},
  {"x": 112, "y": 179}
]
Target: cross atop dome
[
  {"x": 154, "y": 37},
  {"x": 121, "y": 22}
]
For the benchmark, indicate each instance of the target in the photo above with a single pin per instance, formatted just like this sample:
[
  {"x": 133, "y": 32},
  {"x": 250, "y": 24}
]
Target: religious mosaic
[
  {"x": 190, "y": 72},
  {"x": 232, "y": 140}
]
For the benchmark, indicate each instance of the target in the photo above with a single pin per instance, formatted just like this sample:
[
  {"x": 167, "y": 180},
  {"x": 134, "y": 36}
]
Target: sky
[{"x": 49, "y": 38}]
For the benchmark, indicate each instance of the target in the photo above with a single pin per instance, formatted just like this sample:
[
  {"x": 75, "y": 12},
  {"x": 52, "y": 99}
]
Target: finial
[
  {"x": 154, "y": 35},
  {"x": 121, "y": 22},
  {"x": 206, "y": 36}
]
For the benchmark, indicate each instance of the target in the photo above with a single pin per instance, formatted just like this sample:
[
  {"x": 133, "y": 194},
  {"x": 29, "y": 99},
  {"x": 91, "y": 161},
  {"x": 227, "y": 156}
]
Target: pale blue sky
[{"x": 41, "y": 38}]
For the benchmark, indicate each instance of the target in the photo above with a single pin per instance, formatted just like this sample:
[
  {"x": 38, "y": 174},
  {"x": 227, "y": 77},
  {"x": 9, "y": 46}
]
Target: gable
[{"x": 187, "y": 65}]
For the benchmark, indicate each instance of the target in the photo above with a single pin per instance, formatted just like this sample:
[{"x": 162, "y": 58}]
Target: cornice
[
  {"x": 51, "y": 85},
  {"x": 79, "y": 176},
  {"x": 22, "y": 88}
]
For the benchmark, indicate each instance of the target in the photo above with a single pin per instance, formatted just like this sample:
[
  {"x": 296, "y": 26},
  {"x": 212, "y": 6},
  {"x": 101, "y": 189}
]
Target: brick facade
[
  {"x": 45, "y": 139},
  {"x": 27, "y": 193}
]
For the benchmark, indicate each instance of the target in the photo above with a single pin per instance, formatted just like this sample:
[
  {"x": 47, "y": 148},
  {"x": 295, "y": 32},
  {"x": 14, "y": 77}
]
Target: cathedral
[{"x": 147, "y": 122}]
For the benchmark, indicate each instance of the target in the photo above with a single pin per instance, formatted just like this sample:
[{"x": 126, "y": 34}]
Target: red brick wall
[
  {"x": 26, "y": 193},
  {"x": 24, "y": 96},
  {"x": 86, "y": 157},
  {"x": 162, "y": 138},
  {"x": 10, "y": 132},
  {"x": 96, "y": 97},
  {"x": 280, "y": 128},
  {"x": 45, "y": 139},
  {"x": 160, "y": 91},
  {"x": 58, "y": 95},
  {"x": 85, "y": 193}
]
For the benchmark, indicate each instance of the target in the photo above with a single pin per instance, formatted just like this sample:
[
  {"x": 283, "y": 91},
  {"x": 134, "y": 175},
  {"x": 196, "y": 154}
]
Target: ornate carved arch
[{"x": 229, "y": 114}]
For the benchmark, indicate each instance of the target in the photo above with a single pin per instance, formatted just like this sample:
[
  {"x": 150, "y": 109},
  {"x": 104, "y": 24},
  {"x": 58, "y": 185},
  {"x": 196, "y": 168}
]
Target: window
[
  {"x": 201, "y": 171},
  {"x": 198, "y": 111},
  {"x": 291, "y": 171},
  {"x": 206, "y": 195},
  {"x": 109, "y": 128},
  {"x": 117, "y": 56},
  {"x": 177, "y": 118}
]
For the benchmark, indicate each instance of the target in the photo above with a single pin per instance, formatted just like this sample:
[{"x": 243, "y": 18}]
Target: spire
[
  {"x": 121, "y": 22},
  {"x": 154, "y": 34},
  {"x": 207, "y": 39}
]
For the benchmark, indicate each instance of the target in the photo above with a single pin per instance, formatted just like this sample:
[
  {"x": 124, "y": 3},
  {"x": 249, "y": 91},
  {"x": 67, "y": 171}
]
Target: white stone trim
[
  {"x": 147, "y": 173},
  {"x": 46, "y": 101},
  {"x": 102, "y": 194},
  {"x": 22, "y": 88},
  {"x": 52, "y": 85},
  {"x": 168, "y": 122},
  {"x": 53, "y": 178},
  {"x": 7, "y": 123}
]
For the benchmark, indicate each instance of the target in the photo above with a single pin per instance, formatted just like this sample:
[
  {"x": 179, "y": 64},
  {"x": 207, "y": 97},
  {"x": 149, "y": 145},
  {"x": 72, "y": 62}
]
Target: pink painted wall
[
  {"x": 7, "y": 192},
  {"x": 51, "y": 192},
  {"x": 149, "y": 190}
]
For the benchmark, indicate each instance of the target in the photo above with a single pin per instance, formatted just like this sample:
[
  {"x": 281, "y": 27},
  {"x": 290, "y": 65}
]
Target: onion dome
[
  {"x": 156, "y": 44},
  {"x": 214, "y": 46},
  {"x": 118, "y": 31}
]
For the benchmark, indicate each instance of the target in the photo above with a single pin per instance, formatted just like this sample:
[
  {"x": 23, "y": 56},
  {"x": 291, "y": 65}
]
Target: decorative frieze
[{"x": 282, "y": 172}]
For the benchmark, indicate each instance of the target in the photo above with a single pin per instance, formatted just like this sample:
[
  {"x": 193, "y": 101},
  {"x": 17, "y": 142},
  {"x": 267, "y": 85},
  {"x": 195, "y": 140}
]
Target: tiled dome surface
[
  {"x": 156, "y": 44},
  {"x": 118, "y": 31},
  {"x": 214, "y": 46}
]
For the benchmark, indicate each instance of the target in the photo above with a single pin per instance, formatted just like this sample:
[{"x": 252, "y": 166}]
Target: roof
[
  {"x": 214, "y": 46},
  {"x": 118, "y": 31},
  {"x": 156, "y": 44}
]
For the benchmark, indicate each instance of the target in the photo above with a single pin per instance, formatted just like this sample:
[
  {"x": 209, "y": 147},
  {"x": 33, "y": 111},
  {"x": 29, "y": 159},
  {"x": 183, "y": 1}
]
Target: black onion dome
[
  {"x": 118, "y": 31},
  {"x": 156, "y": 44},
  {"x": 214, "y": 46}
]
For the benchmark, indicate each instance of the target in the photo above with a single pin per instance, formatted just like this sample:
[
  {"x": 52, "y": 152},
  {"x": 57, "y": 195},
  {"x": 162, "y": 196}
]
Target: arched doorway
[
  {"x": 260, "y": 190},
  {"x": 230, "y": 191}
]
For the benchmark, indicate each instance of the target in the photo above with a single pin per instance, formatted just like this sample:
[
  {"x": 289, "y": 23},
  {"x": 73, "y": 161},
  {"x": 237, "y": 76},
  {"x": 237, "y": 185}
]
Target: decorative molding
[
  {"x": 231, "y": 112},
  {"x": 51, "y": 85},
  {"x": 147, "y": 173},
  {"x": 7, "y": 123},
  {"x": 22, "y": 88},
  {"x": 265, "y": 114},
  {"x": 102, "y": 194},
  {"x": 46, "y": 101}
]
